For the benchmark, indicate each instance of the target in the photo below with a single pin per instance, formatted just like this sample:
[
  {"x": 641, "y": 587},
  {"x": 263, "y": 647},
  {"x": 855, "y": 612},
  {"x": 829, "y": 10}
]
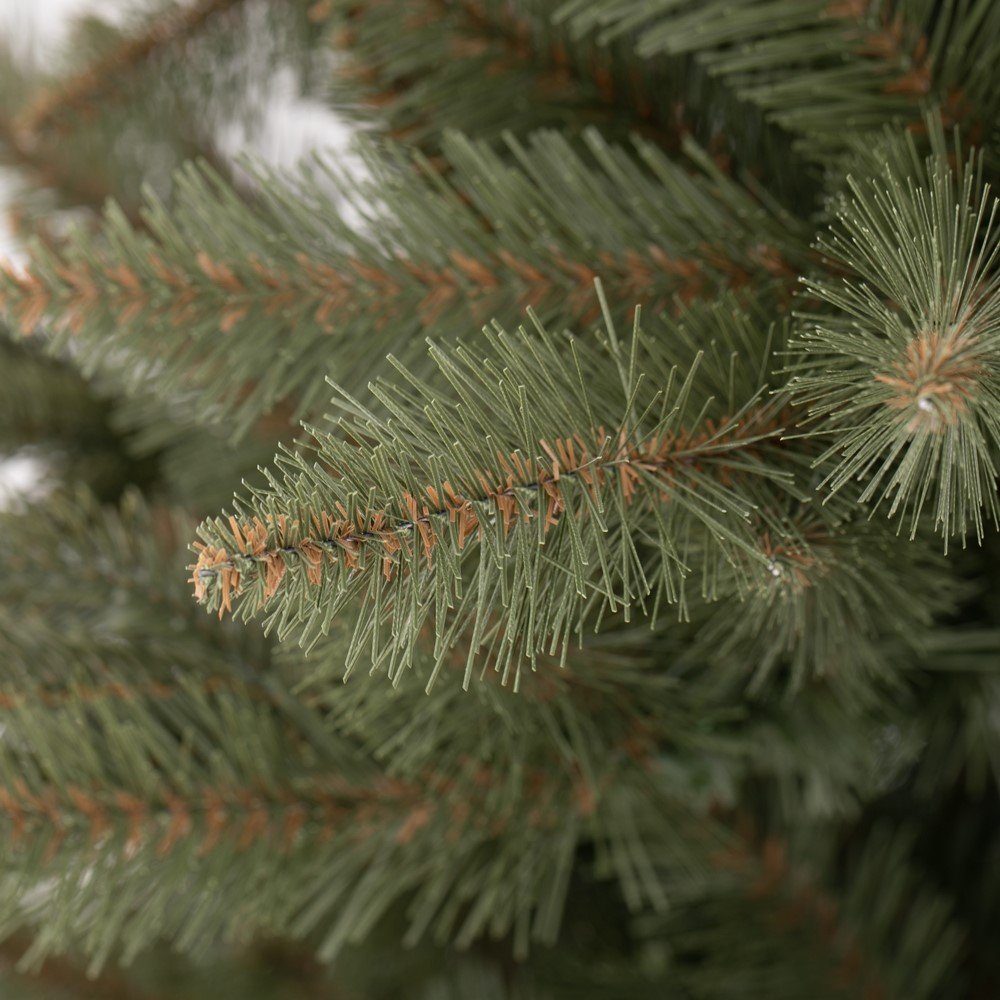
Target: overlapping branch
[
  {"x": 486, "y": 67},
  {"x": 305, "y": 292},
  {"x": 149, "y": 771},
  {"x": 556, "y": 480},
  {"x": 814, "y": 65}
]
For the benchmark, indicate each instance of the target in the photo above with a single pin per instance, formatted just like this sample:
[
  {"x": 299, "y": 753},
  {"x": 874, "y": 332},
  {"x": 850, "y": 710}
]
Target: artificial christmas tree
[{"x": 607, "y": 606}]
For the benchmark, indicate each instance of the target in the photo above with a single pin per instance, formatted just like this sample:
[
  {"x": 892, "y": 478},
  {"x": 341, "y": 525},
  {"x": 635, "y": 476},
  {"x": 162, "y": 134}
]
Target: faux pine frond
[
  {"x": 551, "y": 482},
  {"x": 903, "y": 369},
  {"x": 302, "y": 289},
  {"x": 887, "y": 932}
]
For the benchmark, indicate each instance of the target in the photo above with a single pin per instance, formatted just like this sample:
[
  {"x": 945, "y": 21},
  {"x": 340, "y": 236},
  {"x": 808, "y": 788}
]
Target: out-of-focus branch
[{"x": 109, "y": 72}]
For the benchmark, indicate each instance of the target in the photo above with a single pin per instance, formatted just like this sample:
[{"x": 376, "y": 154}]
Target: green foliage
[
  {"x": 752, "y": 749},
  {"x": 44, "y": 398},
  {"x": 902, "y": 374},
  {"x": 824, "y": 70},
  {"x": 486, "y": 67},
  {"x": 153, "y": 817},
  {"x": 89, "y": 574},
  {"x": 50, "y": 413},
  {"x": 830, "y": 572},
  {"x": 557, "y": 480},
  {"x": 306, "y": 290},
  {"x": 172, "y": 97},
  {"x": 152, "y": 763},
  {"x": 815, "y": 946},
  {"x": 149, "y": 769},
  {"x": 961, "y": 697},
  {"x": 198, "y": 463}
]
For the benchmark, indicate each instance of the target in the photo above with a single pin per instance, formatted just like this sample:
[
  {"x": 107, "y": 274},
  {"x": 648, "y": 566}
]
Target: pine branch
[
  {"x": 126, "y": 797},
  {"x": 555, "y": 481},
  {"x": 104, "y": 77},
  {"x": 807, "y": 931},
  {"x": 150, "y": 774},
  {"x": 369, "y": 522},
  {"x": 812, "y": 65},
  {"x": 42, "y": 397},
  {"x": 952, "y": 712},
  {"x": 198, "y": 462},
  {"x": 47, "y": 669},
  {"x": 159, "y": 792},
  {"x": 489, "y": 66},
  {"x": 182, "y": 99},
  {"x": 88, "y": 432},
  {"x": 74, "y": 183},
  {"x": 874, "y": 936},
  {"x": 48, "y": 412},
  {"x": 305, "y": 292},
  {"x": 484, "y": 68},
  {"x": 671, "y": 707},
  {"x": 903, "y": 373}
]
